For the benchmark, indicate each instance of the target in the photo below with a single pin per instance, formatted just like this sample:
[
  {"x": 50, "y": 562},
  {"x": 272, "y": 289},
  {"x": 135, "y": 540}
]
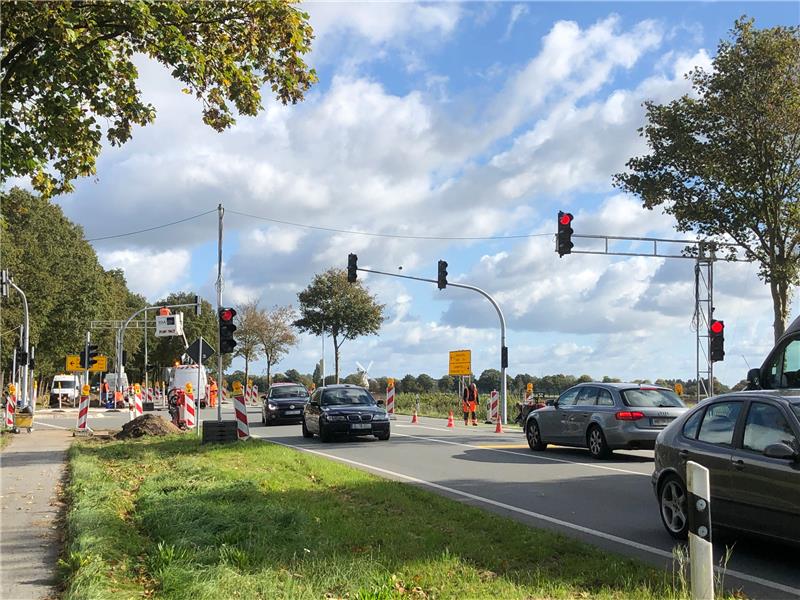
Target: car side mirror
[
  {"x": 313, "y": 403},
  {"x": 780, "y": 450},
  {"x": 753, "y": 379},
  {"x": 551, "y": 402},
  {"x": 381, "y": 403}
]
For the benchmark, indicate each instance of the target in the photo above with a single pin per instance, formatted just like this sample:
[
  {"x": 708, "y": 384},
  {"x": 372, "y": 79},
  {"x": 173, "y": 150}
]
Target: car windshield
[
  {"x": 64, "y": 385},
  {"x": 796, "y": 409},
  {"x": 347, "y": 397},
  {"x": 288, "y": 392},
  {"x": 652, "y": 397}
]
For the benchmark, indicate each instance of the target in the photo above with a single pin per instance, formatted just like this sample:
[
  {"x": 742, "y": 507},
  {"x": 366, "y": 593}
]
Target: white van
[
  {"x": 65, "y": 389},
  {"x": 183, "y": 374}
]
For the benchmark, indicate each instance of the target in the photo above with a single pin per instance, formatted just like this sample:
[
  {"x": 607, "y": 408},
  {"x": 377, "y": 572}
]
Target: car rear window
[
  {"x": 651, "y": 397},
  {"x": 345, "y": 397},
  {"x": 288, "y": 392},
  {"x": 64, "y": 385}
]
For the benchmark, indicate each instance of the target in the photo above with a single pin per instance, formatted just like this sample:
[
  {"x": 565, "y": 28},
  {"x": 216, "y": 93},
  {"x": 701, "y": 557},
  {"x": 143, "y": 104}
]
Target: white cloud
[
  {"x": 153, "y": 274},
  {"x": 517, "y": 11}
]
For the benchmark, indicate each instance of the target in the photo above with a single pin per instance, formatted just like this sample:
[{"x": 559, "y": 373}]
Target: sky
[{"x": 444, "y": 120}]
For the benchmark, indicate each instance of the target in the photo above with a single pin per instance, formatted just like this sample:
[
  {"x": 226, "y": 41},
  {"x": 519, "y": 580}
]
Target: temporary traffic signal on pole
[
  {"x": 22, "y": 357},
  {"x": 442, "y": 276},
  {"x": 226, "y": 328},
  {"x": 716, "y": 331},
  {"x": 352, "y": 265},
  {"x": 564, "y": 237},
  {"x": 88, "y": 356}
]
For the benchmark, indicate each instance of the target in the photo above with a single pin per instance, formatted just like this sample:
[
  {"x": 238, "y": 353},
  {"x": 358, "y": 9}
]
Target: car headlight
[
  {"x": 272, "y": 406},
  {"x": 380, "y": 417}
]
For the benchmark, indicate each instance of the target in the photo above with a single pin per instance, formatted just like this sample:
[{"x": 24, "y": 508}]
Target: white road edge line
[
  {"x": 601, "y": 534},
  {"x": 533, "y": 456},
  {"x": 37, "y": 423}
]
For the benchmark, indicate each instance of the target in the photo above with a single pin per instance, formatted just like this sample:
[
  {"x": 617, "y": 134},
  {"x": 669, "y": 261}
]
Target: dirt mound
[{"x": 146, "y": 425}]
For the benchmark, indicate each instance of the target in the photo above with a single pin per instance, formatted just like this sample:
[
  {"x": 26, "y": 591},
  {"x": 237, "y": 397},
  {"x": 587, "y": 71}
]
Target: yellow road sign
[
  {"x": 237, "y": 388},
  {"x": 85, "y": 390},
  {"x": 679, "y": 389},
  {"x": 390, "y": 382},
  {"x": 530, "y": 388},
  {"x": 100, "y": 364},
  {"x": 74, "y": 363},
  {"x": 460, "y": 362}
]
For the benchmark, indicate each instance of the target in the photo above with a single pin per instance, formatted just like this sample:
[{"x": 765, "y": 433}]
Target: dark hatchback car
[
  {"x": 344, "y": 410},
  {"x": 750, "y": 443},
  {"x": 283, "y": 403}
]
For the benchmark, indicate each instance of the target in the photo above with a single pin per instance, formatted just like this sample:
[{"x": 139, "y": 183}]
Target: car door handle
[
  {"x": 737, "y": 464},
  {"x": 683, "y": 454}
]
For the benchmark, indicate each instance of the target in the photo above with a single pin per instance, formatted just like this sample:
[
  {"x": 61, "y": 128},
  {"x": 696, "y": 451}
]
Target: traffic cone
[
  {"x": 450, "y": 422},
  {"x": 499, "y": 427},
  {"x": 414, "y": 417}
]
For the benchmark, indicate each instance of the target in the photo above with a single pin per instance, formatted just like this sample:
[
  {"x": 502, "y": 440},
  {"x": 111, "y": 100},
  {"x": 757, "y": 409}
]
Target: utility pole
[{"x": 220, "y": 381}]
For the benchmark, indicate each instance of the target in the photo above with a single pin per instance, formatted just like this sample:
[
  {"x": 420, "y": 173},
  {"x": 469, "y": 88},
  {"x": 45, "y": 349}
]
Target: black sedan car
[
  {"x": 283, "y": 403},
  {"x": 344, "y": 410},
  {"x": 750, "y": 443}
]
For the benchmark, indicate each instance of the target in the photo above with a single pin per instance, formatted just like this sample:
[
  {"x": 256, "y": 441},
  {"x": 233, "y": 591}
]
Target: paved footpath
[{"x": 31, "y": 468}]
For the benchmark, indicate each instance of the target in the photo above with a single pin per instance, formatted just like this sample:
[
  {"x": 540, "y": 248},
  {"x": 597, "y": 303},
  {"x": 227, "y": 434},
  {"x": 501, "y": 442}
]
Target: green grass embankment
[{"x": 170, "y": 518}]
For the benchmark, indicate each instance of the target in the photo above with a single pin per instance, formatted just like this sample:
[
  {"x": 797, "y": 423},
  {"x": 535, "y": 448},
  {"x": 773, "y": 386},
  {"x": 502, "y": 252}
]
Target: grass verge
[
  {"x": 170, "y": 518},
  {"x": 5, "y": 438}
]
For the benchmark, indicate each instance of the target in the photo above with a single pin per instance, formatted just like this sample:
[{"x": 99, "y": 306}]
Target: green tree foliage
[
  {"x": 725, "y": 162},
  {"x": 66, "y": 287},
  {"x": 250, "y": 324},
  {"x": 68, "y": 72},
  {"x": 426, "y": 383},
  {"x": 446, "y": 383},
  {"x": 408, "y": 385},
  {"x": 277, "y": 335},
  {"x": 343, "y": 310}
]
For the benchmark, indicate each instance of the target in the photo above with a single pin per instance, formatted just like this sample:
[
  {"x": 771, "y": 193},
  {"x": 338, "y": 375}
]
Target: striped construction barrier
[
  {"x": 138, "y": 410},
  {"x": 494, "y": 406},
  {"x": 255, "y": 394},
  {"x": 390, "y": 399},
  {"x": 83, "y": 414},
  {"x": 188, "y": 409},
  {"x": 240, "y": 408},
  {"x": 11, "y": 406}
]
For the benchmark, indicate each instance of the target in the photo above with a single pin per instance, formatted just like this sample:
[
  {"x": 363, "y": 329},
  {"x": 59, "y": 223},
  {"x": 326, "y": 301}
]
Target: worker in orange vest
[
  {"x": 469, "y": 404},
  {"x": 212, "y": 392}
]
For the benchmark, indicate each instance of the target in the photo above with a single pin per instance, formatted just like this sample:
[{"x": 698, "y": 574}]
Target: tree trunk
[
  {"x": 780, "y": 307},
  {"x": 269, "y": 370},
  {"x": 336, "y": 357}
]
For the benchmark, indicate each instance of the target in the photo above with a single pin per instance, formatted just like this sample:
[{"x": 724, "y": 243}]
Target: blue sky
[{"x": 444, "y": 119}]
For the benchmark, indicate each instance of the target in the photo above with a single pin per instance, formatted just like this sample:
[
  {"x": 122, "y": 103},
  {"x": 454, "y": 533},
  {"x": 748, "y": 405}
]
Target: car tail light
[{"x": 629, "y": 415}]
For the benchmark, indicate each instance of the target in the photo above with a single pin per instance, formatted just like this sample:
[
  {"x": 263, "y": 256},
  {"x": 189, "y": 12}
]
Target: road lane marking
[
  {"x": 587, "y": 530},
  {"x": 496, "y": 446},
  {"x": 37, "y": 423},
  {"x": 526, "y": 455}
]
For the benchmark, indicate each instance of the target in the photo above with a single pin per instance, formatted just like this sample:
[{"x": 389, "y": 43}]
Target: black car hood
[
  {"x": 352, "y": 410},
  {"x": 282, "y": 402}
]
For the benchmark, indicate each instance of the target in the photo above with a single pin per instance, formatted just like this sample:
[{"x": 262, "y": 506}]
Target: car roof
[
  {"x": 624, "y": 386},
  {"x": 339, "y": 386},
  {"x": 789, "y": 395},
  {"x": 286, "y": 383}
]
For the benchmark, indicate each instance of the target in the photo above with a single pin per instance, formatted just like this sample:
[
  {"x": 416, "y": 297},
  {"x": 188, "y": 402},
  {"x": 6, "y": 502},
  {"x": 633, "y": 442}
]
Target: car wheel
[
  {"x": 534, "y": 436},
  {"x": 263, "y": 418},
  {"x": 306, "y": 432},
  {"x": 672, "y": 500},
  {"x": 383, "y": 436},
  {"x": 596, "y": 442},
  {"x": 324, "y": 434}
]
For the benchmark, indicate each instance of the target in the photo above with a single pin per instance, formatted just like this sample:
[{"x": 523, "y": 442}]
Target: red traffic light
[
  {"x": 566, "y": 219},
  {"x": 717, "y": 326},
  {"x": 227, "y": 314}
]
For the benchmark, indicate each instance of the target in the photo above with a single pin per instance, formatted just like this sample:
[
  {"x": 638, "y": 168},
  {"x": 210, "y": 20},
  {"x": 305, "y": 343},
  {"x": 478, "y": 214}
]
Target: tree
[
  {"x": 446, "y": 383},
  {"x": 68, "y": 72},
  {"x": 317, "y": 375},
  {"x": 726, "y": 163},
  {"x": 250, "y": 324},
  {"x": 331, "y": 305},
  {"x": 426, "y": 383},
  {"x": 409, "y": 385},
  {"x": 277, "y": 335}
]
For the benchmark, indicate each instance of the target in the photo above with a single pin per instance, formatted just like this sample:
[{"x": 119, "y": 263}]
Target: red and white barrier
[
  {"x": 83, "y": 414},
  {"x": 150, "y": 395},
  {"x": 255, "y": 394},
  {"x": 11, "y": 406},
  {"x": 494, "y": 406},
  {"x": 188, "y": 410},
  {"x": 390, "y": 400},
  {"x": 138, "y": 410},
  {"x": 240, "y": 408}
]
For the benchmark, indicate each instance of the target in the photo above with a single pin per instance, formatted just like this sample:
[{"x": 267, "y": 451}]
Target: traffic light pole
[
  {"x": 220, "y": 381},
  {"x": 503, "y": 348},
  {"x": 24, "y": 399}
]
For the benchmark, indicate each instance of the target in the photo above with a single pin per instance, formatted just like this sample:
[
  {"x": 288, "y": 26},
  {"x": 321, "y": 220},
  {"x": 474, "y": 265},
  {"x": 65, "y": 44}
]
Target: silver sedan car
[{"x": 604, "y": 417}]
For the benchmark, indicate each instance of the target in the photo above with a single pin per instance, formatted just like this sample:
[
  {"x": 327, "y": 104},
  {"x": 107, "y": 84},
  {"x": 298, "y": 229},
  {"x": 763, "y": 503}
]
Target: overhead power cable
[
  {"x": 119, "y": 235},
  {"x": 390, "y": 235}
]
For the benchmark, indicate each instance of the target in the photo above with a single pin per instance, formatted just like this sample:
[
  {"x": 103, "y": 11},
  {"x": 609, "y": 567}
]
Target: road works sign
[
  {"x": 74, "y": 364},
  {"x": 460, "y": 362}
]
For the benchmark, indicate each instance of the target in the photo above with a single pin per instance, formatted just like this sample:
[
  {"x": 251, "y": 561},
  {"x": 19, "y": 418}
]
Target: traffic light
[
  {"x": 442, "y": 276},
  {"x": 226, "y": 329},
  {"x": 22, "y": 356},
  {"x": 716, "y": 331},
  {"x": 352, "y": 265},
  {"x": 88, "y": 356},
  {"x": 564, "y": 238}
]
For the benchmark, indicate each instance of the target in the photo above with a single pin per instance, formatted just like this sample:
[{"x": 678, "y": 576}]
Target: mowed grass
[{"x": 170, "y": 518}]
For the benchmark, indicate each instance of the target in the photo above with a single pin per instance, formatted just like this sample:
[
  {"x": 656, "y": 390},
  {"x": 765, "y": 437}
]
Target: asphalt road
[{"x": 607, "y": 503}]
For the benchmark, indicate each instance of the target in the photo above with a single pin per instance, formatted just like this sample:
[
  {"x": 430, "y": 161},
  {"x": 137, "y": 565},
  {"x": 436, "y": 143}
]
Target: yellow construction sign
[
  {"x": 460, "y": 362},
  {"x": 74, "y": 364}
]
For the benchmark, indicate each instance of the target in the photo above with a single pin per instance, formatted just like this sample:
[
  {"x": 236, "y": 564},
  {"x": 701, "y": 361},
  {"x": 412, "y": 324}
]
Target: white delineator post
[
  {"x": 83, "y": 414},
  {"x": 11, "y": 406},
  {"x": 390, "y": 400},
  {"x": 240, "y": 408},
  {"x": 189, "y": 415},
  {"x": 701, "y": 556},
  {"x": 255, "y": 394},
  {"x": 137, "y": 402},
  {"x": 494, "y": 406}
]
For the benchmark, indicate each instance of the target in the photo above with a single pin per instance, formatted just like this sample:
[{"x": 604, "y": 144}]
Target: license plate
[
  {"x": 361, "y": 426},
  {"x": 661, "y": 422},
  {"x": 292, "y": 412}
]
